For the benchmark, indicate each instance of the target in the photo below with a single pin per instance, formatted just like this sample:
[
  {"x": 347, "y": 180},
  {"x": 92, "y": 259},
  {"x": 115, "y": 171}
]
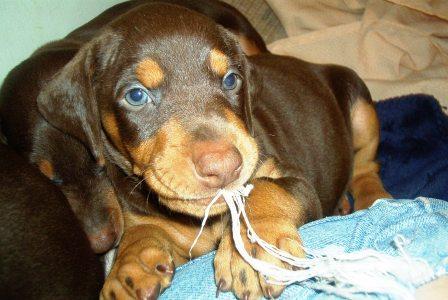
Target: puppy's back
[{"x": 299, "y": 118}]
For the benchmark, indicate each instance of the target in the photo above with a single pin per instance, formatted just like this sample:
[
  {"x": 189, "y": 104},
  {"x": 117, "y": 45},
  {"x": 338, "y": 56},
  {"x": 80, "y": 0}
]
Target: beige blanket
[{"x": 398, "y": 47}]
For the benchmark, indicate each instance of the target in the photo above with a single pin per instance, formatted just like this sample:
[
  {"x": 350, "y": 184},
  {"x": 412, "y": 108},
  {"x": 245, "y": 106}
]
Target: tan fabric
[{"x": 398, "y": 47}]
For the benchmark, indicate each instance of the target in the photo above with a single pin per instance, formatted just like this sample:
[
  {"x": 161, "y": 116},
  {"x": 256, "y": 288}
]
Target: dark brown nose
[
  {"x": 217, "y": 163},
  {"x": 103, "y": 240},
  {"x": 106, "y": 235}
]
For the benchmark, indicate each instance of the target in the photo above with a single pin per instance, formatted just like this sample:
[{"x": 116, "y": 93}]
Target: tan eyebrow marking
[
  {"x": 219, "y": 62},
  {"x": 149, "y": 73},
  {"x": 47, "y": 168}
]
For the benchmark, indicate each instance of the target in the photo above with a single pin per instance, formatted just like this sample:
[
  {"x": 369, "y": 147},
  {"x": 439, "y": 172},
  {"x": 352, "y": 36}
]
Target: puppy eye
[
  {"x": 57, "y": 181},
  {"x": 231, "y": 82},
  {"x": 137, "y": 97}
]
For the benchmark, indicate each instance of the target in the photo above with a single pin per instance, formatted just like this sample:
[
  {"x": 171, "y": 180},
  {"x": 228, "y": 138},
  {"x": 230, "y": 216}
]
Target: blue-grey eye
[
  {"x": 230, "y": 81},
  {"x": 57, "y": 181},
  {"x": 137, "y": 97}
]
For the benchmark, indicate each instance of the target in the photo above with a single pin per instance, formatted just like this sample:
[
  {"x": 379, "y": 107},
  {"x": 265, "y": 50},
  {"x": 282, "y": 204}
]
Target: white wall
[{"x": 27, "y": 24}]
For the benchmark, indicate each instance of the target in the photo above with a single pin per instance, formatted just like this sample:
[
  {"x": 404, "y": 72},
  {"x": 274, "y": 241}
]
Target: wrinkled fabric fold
[{"x": 397, "y": 47}]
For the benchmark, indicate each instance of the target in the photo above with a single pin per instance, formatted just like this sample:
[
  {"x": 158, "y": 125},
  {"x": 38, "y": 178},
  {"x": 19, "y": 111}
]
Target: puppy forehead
[
  {"x": 151, "y": 73},
  {"x": 167, "y": 38}
]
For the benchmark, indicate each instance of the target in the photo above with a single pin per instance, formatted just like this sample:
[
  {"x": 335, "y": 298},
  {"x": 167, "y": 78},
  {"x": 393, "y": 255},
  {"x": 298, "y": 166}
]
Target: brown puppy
[
  {"x": 179, "y": 114},
  {"x": 44, "y": 254},
  {"x": 60, "y": 157},
  {"x": 64, "y": 158},
  {"x": 168, "y": 96}
]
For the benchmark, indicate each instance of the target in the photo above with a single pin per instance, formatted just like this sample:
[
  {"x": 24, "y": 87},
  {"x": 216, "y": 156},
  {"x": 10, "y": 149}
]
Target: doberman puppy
[
  {"x": 166, "y": 95},
  {"x": 64, "y": 158},
  {"x": 44, "y": 253}
]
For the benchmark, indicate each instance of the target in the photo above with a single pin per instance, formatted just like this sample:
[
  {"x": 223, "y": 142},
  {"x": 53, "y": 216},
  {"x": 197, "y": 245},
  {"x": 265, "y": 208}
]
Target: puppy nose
[
  {"x": 103, "y": 239},
  {"x": 106, "y": 235},
  {"x": 217, "y": 163}
]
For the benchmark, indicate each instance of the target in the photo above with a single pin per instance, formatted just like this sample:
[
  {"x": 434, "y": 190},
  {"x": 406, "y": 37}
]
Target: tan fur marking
[
  {"x": 268, "y": 169},
  {"x": 170, "y": 157},
  {"x": 248, "y": 46},
  {"x": 236, "y": 131},
  {"x": 366, "y": 127},
  {"x": 235, "y": 121},
  {"x": 141, "y": 154},
  {"x": 165, "y": 162},
  {"x": 219, "y": 62},
  {"x": 172, "y": 175},
  {"x": 366, "y": 185},
  {"x": 46, "y": 168},
  {"x": 149, "y": 73},
  {"x": 267, "y": 195},
  {"x": 110, "y": 125},
  {"x": 182, "y": 233}
]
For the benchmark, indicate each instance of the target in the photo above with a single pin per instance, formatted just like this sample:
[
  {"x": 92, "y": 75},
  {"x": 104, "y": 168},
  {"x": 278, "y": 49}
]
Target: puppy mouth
[
  {"x": 195, "y": 207},
  {"x": 181, "y": 193},
  {"x": 206, "y": 201},
  {"x": 199, "y": 202}
]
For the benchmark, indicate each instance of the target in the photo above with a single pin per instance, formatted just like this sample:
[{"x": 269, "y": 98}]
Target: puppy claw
[
  {"x": 246, "y": 295},
  {"x": 112, "y": 295},
  {"x": 220, "y": 287},
  {"x": 150, "y": 294},
  {"x": 164, "y": 269}
]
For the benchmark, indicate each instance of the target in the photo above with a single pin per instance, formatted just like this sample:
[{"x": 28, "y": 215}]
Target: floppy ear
[
  {"x": 232, "y": 42},
  {"x": 249, "y": 91},
  {"x": 69, "y": 103}
]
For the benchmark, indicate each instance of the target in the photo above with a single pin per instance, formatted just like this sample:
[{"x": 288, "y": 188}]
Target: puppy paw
[
  {"x": 139, "y": 273},
  {"x": 232, "y": 273},
  {"x": 343, "y": 208}
]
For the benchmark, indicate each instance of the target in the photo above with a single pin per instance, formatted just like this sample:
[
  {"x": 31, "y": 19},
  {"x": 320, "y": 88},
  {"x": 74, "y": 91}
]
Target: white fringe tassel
[{"x": 332, "y": 270}]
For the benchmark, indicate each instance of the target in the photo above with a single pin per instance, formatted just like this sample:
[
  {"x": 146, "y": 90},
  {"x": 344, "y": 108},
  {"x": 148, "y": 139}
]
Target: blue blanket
[{"x": 414, "y": 147}]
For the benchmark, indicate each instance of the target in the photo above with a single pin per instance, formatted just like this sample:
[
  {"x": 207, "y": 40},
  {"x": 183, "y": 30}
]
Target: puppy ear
[
  {"x": 248, "y": 87},
  {"x": 68, "y": 101},
  {"x": 249, "y": 91}
]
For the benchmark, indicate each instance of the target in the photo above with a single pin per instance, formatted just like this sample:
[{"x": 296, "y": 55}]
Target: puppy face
[
  {"x": 170, "y": 90},
  {"x": 174, "y": 106},
  {"x": 86, "y": 186}
]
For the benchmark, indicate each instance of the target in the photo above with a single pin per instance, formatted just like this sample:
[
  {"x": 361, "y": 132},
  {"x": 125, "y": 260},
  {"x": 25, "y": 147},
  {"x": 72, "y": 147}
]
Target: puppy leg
[
  {"x": 144, "y": 265},
  {"x": 151, "y": 248},
  {"x": 366, "y": 185},
  {"x": 274, "y": 213}
]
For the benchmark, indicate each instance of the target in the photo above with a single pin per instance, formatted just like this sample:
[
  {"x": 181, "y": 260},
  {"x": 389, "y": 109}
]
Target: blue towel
[{"x": 414, "y": 147}]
